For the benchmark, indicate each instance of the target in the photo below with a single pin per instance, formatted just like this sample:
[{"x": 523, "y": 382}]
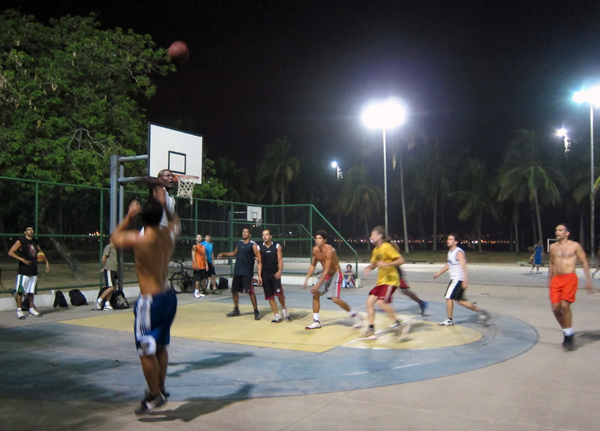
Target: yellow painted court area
[{"x": 207, "y": 321}]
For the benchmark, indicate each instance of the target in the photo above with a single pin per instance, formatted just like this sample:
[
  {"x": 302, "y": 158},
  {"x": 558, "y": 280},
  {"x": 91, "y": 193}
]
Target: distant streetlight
[
  {"x": 566, "y": 141},
  {"x": 591, "y": 97},
  {"x": 339, "y": 175},
  {"x": 387, "y": 115}
]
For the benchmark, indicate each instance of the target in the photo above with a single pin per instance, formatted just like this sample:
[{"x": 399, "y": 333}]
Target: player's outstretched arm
[
  {"x": 123, "y": 238},
  {"x": 462, "y": 260},
  {"x": 311, "y": 269},
  {"x": 228, "y": 254},
  {"x": 441, "y": 271}
]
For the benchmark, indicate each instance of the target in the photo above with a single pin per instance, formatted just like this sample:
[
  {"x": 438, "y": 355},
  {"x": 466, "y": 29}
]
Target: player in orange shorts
[{"x": 562, "y": 279}]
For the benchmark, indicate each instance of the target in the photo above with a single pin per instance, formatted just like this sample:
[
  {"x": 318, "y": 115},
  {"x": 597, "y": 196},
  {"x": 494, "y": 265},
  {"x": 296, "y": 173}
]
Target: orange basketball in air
[{"x": 179, "y": 52}]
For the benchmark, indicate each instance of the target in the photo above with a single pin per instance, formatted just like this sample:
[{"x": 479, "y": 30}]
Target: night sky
[{"x": 471, "y": 72}]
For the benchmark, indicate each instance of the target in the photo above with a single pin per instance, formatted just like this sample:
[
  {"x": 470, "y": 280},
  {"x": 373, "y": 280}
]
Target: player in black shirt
[
  {"x": 27, "y": 248},
  {"x": 270, "y": 266}
]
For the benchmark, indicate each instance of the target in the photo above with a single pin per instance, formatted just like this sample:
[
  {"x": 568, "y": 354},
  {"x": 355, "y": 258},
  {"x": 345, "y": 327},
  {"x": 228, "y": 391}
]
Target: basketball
[
  {"x": 179, "y": 52},
  {"x": 41, "y": 257}
]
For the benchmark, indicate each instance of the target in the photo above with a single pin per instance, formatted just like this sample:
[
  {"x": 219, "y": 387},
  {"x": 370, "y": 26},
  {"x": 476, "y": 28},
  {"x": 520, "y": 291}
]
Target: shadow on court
[
  {"x": 196, "y": 407},
  {"x": 219, "y": 360}
]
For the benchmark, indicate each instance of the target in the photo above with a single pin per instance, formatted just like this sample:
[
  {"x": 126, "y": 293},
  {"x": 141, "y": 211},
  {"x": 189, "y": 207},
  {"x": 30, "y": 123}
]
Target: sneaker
[
  {"x": 256, "y": 315},
  {"x": 148, "y": 404},
  {"x": 98, "y": 303},
  {"x": 483, "y": 316},
  {"x": 357, "y": 321},
  {"x": 20, "y": 314},
  {"x": 164, "y": 392},
  {"x": 447, "y": 322},
  {"x": 215, "y": 292},
  {"x": 33, "y": 312},
  {"x": 286, "y": 316},
  {"x": 107, "y": 307},
  {"x": 568, "y": 342},
  {"x": 235, "y": 312},
  {"x": 424, "y": 307},
  {"x": 315, "y": 325},
  {"x": 369, "y": 335},
  {"x": 403, "y": 330},
  {"x": 277, "y": 319},
  {"x": 197, "y": 294}
]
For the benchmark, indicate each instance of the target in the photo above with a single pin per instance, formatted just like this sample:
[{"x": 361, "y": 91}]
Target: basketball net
[{"x": 185, "y": 186}]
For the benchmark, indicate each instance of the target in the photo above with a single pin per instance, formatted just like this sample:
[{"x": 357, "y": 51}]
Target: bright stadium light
[
  {"x": 386, "y": 115},
  {"x": 591, "y": 97}
]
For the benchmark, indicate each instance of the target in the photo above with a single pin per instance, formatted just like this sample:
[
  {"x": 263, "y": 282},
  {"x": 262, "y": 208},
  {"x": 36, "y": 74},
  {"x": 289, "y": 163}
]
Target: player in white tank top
[{"x": 456, "y": 265}]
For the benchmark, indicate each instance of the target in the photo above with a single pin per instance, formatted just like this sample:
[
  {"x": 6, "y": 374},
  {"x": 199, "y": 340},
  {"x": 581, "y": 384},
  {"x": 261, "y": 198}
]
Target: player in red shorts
[
  {"x": 562, "y": 279},
  {"x": 387, "y": 259}
]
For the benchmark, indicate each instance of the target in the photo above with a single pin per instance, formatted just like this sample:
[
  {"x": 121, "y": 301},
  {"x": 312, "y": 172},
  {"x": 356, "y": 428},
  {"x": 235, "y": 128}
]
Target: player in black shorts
[
  {"x": 245, "y": 252},
  {"x": 270, "y": 266}
]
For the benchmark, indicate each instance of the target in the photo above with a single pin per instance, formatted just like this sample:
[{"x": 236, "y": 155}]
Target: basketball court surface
[{"x": 78, "y": 368}]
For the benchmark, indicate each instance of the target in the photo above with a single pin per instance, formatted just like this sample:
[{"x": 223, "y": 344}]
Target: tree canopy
[{"x": 69, "y": 94}]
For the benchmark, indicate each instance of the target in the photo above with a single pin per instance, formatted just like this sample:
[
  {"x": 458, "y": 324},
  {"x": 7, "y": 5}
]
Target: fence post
[{"x": 37, "y": 193}]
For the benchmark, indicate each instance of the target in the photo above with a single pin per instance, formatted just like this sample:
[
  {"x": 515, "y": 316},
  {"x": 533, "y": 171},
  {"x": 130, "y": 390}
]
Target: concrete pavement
[{"x": 68, "y": 376}]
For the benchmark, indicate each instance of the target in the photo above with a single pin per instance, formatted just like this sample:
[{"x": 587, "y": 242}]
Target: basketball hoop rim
[{"x": 191, "y": 178}]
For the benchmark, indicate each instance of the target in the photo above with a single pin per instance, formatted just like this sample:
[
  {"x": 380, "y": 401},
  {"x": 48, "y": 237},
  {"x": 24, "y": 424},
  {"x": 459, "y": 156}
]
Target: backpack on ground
[
  {"x": 118, "y": 300},
  {"x": 60, "y": 300},
  {"x": 25, "y": 303},
  {"x": 101, "y": 291},
  {"x": 77, "y": 298},
  {"x": 223, "y": 283}
]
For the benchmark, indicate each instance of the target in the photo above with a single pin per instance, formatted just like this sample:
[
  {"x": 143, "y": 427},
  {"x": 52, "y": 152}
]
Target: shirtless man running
[
  {"x": 326, "y": 255},
  {"x": 562, "y": 279},
  {"x": 156, "y": 306}
]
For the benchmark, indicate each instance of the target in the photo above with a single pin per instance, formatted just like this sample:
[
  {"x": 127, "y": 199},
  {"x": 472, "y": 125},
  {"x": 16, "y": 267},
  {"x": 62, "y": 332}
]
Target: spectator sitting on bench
[{"x": 349, "y": 280}]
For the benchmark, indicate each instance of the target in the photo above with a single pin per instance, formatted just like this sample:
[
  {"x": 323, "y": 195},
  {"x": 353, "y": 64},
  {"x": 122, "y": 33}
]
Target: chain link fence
[{"x": 72, "y": 226}]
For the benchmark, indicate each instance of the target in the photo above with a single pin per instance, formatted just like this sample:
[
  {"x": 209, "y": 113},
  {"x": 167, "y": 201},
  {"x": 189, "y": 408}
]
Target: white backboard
[
  {"x": 177, "y": 151},
  {"x": 254, "y": 213}
]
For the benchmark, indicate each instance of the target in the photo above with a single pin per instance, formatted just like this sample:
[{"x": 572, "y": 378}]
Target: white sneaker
[
  {"x": 403, "y": 330},
  {"x": 20, "y": 314},
  {"x": 315, "y": 325},
  {"x": 98, "y": 304},
  {"x": 197, "y": 294},
  {"x": 33, "y": 312},
  {"x": 447, "y": 322},
  {"x": 483, "y": 316},
  {"x": 357, "y": 321},
  {"x": 107, "y": 307}
]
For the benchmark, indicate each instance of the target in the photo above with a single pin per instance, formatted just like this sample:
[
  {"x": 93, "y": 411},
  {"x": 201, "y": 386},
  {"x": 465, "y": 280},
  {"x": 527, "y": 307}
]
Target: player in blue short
[{"x": 157, "y": 303}]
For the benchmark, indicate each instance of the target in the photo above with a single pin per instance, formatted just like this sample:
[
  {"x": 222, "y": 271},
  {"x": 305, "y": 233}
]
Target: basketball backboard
[
  {"x": 177, "y": 151},
  {"x": 253, "y": 213}
]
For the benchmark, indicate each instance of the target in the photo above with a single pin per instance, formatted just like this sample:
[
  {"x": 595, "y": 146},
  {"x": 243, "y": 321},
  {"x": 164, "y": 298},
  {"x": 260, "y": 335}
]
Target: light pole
[
  {"x": 592, "y": 97},
  {"x": 386, "y": 115},
  {"x": 339, "y": 175}
]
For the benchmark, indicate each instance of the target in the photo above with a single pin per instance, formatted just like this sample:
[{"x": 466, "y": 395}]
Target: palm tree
[
  {"x": 525, "y": 173},
  {"x": 360, "y": 196},
  {"x": 276, "y": 170},
  {"x": 476, "y": 195}
]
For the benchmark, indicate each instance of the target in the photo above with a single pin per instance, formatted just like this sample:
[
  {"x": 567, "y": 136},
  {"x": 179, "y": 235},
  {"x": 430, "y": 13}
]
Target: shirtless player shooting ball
[
  {"x": 332, "y": 275},
  {"x": 562, "y": 279},
  {"x": 155, "y": 308}
]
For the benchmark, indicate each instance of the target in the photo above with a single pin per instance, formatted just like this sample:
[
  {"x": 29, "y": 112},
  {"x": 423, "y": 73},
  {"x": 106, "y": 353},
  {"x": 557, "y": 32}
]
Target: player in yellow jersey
[{"x": 387, "y": 259}]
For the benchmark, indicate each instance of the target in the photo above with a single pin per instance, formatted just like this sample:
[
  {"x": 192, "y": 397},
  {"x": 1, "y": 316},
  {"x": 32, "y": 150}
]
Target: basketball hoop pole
[{"x": 117, "y": 198}]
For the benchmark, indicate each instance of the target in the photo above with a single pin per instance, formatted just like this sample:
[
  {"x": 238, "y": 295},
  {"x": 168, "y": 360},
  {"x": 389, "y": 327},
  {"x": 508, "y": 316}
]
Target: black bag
[
  {"x": 25, "y": 302},
  {"x": 223, "y": 283},
  {"x": 77, "y": 298},
  {"x": 60, "y": 300},
  {"x": 101, "y": 291},
  {"x": 118, "y": 300}
]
